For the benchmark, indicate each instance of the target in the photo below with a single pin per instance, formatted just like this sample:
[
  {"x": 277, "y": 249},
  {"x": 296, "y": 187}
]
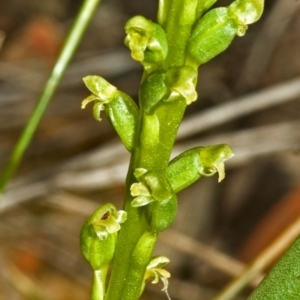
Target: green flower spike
[
  {"x": 146, "y": 40},
  {"x": 181, "y": 82},
  {"x": 102, "y": 93},
  {"x": 156, "y": 272}
]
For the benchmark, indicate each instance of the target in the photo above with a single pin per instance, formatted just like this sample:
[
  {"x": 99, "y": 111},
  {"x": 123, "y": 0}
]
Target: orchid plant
[{"x": 187, "y": 34}]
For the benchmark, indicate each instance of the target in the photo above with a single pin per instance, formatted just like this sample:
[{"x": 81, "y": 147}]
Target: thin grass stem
[{"x": 70, "y": 45}]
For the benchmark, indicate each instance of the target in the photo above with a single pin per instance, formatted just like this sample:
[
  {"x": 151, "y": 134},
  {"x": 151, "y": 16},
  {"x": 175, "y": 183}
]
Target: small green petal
[
  {"x": 156, "y": 277},
  {"x": 146, "y": 40},
  {"x": 138, "y": 189},
  {"x": 102, "y": 213},
  {"x": 100, "y": 231},
  {"x": 139, "y": 172},
  {"x": 182, "y": 80},
  {"x": 165, "y": 284},
  {"x": 138, "y": 30},
  {"x": 163, "y": 273},
  {"x": 221, "y": 170},
  {"x": 121, "y": 216},
  {"x": 188, "y": 92},
  {"x": 111, "y": 225},
  {"x": 100, "y": 87},
  {"x": 97, "y": 108},
  {"x": 88, "y": 100},
  {"x": 158, "y": 261},
  {"x": 141, "y": 201}
]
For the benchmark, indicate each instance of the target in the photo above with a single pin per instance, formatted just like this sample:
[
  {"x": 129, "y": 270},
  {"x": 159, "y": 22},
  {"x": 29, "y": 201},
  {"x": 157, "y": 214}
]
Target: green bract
[
  {"x": 123, "y": 114},
  {"x": 120, "y": 108},
  {"x": 211, "y": 35},
  {"x": 146, "y": 40},
  {"x": 161, "y": 214},
  {"x": 153, "y": 90}
]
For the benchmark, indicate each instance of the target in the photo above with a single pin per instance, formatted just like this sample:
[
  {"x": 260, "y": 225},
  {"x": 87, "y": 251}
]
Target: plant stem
[
  {"x": 98, "y": 288},
  {"x": 152, "y": 153},
  {"x": 180, "y": 19},
  {"x": 79, "y": 26}
]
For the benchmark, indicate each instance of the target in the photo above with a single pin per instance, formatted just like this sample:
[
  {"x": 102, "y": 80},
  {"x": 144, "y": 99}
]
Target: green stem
[
  {"x": 98, "y": 288},
  {"x": 182, "y": 14},
  {"x": 153, "y": 156},
  {"x": 80, "y": 24},
  {"x": 140, "y": 259}
]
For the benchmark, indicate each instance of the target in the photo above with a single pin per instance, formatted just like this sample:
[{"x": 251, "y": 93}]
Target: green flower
[
  {"x": 181, "y": 82},
  {"x": 109, "y": 222},
  {"x": 155, "y": 271},
  {"x": 146, "y": 40},
  {"x": 102, "y": 93},
  {"x": 106, "y": 220},
  {"x": 141, "y": 194},
  {"x": 213, "y": 158},
  {"x": 151, "y": 187},
  {"x": 98, "y": 235}
]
